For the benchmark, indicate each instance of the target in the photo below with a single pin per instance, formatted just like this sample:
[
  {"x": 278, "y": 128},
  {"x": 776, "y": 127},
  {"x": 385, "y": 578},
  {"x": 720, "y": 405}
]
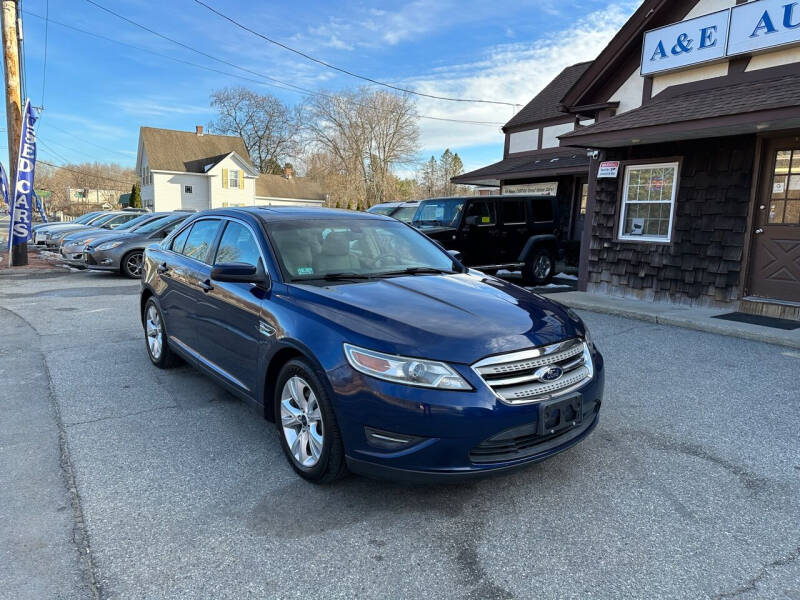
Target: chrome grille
[{"x": 514, "y": 379}]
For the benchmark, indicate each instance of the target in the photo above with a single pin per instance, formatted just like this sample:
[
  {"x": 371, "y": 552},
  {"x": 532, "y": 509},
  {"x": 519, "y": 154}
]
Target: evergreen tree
[{"x": 136, "y": 197}]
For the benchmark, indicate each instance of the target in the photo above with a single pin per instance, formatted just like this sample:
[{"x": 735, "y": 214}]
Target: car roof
[{"x": 269, "y": 214}]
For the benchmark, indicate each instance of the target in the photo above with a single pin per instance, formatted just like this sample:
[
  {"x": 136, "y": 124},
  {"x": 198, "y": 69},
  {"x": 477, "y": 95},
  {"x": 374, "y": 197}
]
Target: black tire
[
  {"x": 165, "y": 358},
  {"x": 539, "y": 268},
  {"x": 128, "y": 269},
  {"x": 330, "y": 465}
]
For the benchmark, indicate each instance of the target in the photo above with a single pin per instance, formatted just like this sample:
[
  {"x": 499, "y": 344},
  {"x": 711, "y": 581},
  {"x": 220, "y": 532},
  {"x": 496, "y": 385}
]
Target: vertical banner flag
[
  {"x": 40, "y": 208},
  {"x": 21, "y": 204},
  {"x": 4, "y": 187}
]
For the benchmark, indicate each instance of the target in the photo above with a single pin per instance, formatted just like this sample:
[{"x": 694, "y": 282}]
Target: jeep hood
[{"x": 456, "y": 318}]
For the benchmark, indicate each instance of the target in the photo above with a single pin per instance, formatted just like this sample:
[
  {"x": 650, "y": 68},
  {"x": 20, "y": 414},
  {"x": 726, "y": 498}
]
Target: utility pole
[{"x": 19, "y": 256}]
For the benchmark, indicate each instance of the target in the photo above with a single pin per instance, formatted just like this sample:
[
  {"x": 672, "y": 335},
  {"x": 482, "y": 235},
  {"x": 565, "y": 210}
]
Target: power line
[
  {"x": 162, "y": 36},
  {"x": 62, "y": 167},
  {"x": 270, "y": 80},
  {"x": 340, "y": 69}
]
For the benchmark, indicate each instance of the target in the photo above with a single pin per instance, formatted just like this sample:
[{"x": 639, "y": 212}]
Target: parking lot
[{"x": 121, "y": 481}]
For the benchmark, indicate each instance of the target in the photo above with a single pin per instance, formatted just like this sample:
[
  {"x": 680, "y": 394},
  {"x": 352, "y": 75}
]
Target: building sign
[
  {"x": 765, "y": 24},
  {"x": 684, "y": 44},
  {"x": 547, "y": 188},
  {"x": 743, "y": 29},
  {"x": 608, "y": 169}
]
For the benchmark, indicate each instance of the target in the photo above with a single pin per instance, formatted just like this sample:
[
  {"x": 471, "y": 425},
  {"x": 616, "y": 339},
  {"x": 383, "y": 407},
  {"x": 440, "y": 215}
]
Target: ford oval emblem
[{"x": 550, "y": 373}]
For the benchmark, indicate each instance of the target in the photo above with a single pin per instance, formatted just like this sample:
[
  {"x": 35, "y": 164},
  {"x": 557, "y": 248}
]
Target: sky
[{"x": 96, "y": 93}]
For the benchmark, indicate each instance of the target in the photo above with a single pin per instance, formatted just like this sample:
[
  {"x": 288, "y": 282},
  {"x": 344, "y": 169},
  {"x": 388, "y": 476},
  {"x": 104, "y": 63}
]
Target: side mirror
[
  {"x": 240, "y": 273},
  {"x": 455, "y": 254},
  {"x": 471, "y": 221}
]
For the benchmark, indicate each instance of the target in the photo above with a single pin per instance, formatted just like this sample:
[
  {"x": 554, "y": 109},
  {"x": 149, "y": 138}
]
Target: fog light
[
  {"x": 387, "y": 440},
  {"x": 105, "y": 261}
]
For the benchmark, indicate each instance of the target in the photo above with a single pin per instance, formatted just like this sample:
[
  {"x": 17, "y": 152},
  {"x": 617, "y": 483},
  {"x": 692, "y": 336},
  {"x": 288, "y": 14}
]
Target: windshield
[
  {"x": 133, "y": 224},
  {"x": 104, "y": 219},
  {"x": 99, "y": 218},
  {"x": 86, "y": 218},
  {"x": 161, "y": 222},
  {"x": 354, "y": 249},
  {"x": 381, "y": 209},
  {"x": 444, "y": 212},
  {"x": 405, "y": 214}
]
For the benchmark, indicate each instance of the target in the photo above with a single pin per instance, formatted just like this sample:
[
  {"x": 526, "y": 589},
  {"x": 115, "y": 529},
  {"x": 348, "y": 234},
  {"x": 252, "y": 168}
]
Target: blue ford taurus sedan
[{"x": 371, "y": 347}]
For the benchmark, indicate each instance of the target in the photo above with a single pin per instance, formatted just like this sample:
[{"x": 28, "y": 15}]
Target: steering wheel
[{"x": 385, "y": 260}]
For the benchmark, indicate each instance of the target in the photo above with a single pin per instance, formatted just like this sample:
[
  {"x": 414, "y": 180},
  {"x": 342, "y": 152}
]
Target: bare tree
[
  {"x": 365, "y": 135},
  {"x": 270, "y": 129},
  {"x": 85, "y": 176}
]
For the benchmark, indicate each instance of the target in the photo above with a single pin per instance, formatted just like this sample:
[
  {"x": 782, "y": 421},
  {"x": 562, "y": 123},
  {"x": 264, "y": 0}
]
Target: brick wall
[{"x": 703, "y": 263}]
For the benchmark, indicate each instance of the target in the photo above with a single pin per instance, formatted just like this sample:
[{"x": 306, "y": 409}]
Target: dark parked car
[
  {"x": 370, "y": 347},
  {"x": 402, "y": 211},
  {"x": 514, "y": 232}
]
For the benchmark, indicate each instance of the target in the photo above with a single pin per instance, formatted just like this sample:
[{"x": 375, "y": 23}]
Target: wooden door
[{"x": 775, "y": 268}]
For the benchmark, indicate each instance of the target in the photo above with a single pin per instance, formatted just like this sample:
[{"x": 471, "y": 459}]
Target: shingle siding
[{"x": 702, "y": 265}]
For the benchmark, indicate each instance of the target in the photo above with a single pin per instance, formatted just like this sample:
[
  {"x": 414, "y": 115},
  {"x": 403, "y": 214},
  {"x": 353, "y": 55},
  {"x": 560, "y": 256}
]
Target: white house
[{"x": 185, "y": 170}]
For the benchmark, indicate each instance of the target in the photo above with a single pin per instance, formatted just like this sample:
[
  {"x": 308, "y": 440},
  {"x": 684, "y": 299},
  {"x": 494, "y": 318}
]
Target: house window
[
  {"x": 648, "y": 202},
  {"x": 233, "y": 178},
  {"x": 187, "y": 189}
]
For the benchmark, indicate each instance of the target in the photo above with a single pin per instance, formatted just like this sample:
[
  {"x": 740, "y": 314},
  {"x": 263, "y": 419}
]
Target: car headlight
[
  {"x": 400, "y": 369},
  {"x": 108, "y": 245}
]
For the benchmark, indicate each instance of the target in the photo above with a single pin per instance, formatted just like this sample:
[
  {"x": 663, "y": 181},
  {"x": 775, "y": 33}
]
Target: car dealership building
[{"x": 691, "y": 119}]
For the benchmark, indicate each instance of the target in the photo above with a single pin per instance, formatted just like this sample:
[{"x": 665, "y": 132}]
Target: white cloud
[{"x": 513, "y": 72}]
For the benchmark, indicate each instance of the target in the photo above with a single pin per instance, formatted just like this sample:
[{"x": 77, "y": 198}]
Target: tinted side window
[
  {"x": 200, "y": 239},
  {"x": 484, "y": 211},
  {"x": 542, "y": 211},
  {"x": 180, "y": 240},
  {"x": 237, "y": 246},
  {"x": 513, "y": 212}
]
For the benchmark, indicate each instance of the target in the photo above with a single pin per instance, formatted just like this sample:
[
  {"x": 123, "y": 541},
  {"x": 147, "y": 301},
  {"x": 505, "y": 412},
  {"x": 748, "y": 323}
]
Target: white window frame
[
  {"x": 233, "y": 179},
  {"x": 624, "y": 202}
]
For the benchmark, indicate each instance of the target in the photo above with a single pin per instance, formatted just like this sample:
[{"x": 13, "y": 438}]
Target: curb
[{"x": 684, "y": 322}]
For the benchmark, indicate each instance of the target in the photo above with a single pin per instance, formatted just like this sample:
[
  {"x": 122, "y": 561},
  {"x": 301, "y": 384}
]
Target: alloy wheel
[
  {"x": 154, "y": 332},
  {"x": 542, "y": 267},
  {"x": 133, "y": 264},
  {"x": 301, "y": 422}
]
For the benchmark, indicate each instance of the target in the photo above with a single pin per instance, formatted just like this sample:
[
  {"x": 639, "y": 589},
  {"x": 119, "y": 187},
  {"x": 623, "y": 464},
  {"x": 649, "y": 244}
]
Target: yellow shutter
[
  {"x": 241, "y": 179},
  {"x": 224, "y": 178}
]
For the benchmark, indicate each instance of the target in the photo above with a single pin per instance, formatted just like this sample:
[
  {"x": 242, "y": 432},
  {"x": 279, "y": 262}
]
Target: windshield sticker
[
  {"x": 305, "y": 271},
  {"x": 485, "y": 220}
]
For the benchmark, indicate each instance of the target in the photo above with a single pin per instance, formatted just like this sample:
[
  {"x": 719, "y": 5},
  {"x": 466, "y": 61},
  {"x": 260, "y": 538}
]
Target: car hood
[
  {"x": 458, "y": 318},
  {"x": 110, "y": 236}
]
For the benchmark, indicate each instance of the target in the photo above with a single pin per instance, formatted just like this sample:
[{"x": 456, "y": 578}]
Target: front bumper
[
  {"x": 102, "y": 260},
  {"x": 454, "y": 427},
  {"x": 73, "y": 255}
]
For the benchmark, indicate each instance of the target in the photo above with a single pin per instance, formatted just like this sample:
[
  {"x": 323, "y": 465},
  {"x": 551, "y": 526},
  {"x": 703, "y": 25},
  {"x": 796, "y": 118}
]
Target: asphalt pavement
[{"x": 118, "y": 480}]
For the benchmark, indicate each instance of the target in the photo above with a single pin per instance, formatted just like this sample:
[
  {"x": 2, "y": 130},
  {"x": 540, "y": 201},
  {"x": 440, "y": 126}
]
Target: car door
[
  {"x": 229, "y": 327},
  {"x": 480, "y": 234},
  {"x": 185, "y": 275},
  {"x": 514, "y": 228}
]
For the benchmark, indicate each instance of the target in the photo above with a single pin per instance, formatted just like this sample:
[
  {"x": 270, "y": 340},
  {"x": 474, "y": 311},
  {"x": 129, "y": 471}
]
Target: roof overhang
[{"x": 728, "y": 125}]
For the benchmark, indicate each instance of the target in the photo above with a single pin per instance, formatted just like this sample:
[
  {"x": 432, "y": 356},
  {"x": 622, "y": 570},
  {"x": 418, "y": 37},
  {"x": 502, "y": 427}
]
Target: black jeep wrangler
[{"x": 512, "y": 232}]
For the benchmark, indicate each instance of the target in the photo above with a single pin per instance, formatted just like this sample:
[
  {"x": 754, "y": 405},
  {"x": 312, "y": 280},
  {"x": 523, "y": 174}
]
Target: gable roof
[
  {"x": 545, "y": 104},
  {"x": 552, "y": 162},
  {"x": 185, "y": 151},
  {"x": 277, "y": 186}
]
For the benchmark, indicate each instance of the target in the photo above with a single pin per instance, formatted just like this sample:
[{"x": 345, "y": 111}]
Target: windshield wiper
[
  {"x": 339, "y": 276},
  {"x": 416, "y": 271}
]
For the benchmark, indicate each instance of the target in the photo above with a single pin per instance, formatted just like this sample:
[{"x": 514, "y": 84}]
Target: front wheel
[
  {"x": 132, "y": 264},
  {"x": 539, "y": 268},
  {"x": 310, "y": 437}
]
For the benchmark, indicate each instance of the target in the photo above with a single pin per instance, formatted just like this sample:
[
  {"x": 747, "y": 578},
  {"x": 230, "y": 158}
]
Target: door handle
[
  {"x": 759, "y": 230},
  {"x": 205, "y": 285},
  {"x": 162, "y": 268}
]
